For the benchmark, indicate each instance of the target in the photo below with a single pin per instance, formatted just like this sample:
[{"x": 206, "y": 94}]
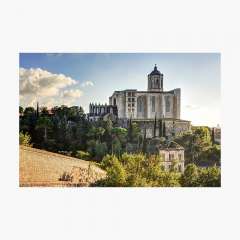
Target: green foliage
[
  {"x": 21, "y": 110},
  {"x": 44, "y": 123},
  {"x": 29, "y": 111},
  {"x": 100, "y": 150},
  {"x": 160, "y": 128},
  {"x": 198, "y": 147},
  {"x": 82, "y": 155},
  {"x": 91, "y": 147},
  {"x": 25, "y": 139},
  {"x": 191, "y": 176},
  {"x": 134, "y": 132},
  {"x": 210, "y": 177},
  {"x": 138, "y": 170},
  {"x": 201, "y": 177},
  {"x": 116, "y": 175},
  {"x": 116, "y": 147},
  {"x": 164, "y": 130}
]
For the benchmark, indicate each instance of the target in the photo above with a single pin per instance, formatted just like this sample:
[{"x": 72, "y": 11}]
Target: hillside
[{"x": 43, "y": 168}]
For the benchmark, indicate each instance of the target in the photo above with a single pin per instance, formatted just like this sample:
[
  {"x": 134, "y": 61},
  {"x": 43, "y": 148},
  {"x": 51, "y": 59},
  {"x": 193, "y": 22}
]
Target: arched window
[{"x": 114, "y": 102}]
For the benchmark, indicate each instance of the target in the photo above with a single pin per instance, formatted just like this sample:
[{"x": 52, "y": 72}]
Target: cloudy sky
[{"x": 78, "y": 79}]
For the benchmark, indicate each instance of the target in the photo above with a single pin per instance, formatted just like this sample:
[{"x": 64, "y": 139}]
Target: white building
[{"x": 144, "y": 106}]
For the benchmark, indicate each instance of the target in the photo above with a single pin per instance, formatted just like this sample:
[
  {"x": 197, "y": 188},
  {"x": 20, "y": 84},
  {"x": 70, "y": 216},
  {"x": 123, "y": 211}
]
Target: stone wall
[{"x": 173, "y": 126}]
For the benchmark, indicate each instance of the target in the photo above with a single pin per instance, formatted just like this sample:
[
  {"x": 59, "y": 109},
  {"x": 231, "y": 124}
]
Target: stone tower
[{"x": 155, "y": 81}]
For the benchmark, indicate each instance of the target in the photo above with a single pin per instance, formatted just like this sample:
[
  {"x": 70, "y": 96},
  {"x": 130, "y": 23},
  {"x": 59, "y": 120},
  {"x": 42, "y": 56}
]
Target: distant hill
[{"x": 43, "y": 168}]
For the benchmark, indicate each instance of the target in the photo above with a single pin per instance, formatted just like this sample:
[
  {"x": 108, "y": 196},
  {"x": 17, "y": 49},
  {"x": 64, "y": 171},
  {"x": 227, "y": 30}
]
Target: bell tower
[{"x": 155, "y": 80}]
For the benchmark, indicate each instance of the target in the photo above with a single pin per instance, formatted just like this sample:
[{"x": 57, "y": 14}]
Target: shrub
[
  {"x": 24, "y": 139},
  {"x": 82, "y": 155}
]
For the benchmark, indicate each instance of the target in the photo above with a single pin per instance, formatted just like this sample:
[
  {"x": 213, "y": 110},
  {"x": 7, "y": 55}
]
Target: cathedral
[{"x": 147, "y": 108}]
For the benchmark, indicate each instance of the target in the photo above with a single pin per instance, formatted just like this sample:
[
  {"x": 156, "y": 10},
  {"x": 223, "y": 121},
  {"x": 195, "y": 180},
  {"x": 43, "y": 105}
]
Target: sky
[{"x": 80, "y": 78}]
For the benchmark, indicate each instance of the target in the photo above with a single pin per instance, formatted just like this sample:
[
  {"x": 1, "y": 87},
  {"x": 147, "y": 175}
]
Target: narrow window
[
  {"x": 153, "y": 103},
  {"x": 167, "y": 100}
]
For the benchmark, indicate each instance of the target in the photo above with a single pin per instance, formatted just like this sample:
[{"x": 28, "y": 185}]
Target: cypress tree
[
  {"x": 173, "y": 132},
  {"x": 130, "y": 130},
  {"x": 37, "y": 110},
  {"x": 160, "y": 128},
  {"x": 164, "y": 129},
  {"x": 155, "y": 126},
  {"x": 144, "y": 147}
]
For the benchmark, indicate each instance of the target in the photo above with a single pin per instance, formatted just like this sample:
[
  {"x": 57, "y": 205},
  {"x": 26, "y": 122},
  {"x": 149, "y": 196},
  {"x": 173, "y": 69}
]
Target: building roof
[
  {"x": 155, "y": 71},
  {"x": 162, "y": 144}
]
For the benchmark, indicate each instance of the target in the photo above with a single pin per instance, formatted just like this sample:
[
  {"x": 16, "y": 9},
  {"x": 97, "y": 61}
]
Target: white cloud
[
  {"x": 72, "y": 93},
  {"x": 45, "y": 87},
  {"x": 87, "y": 83}
]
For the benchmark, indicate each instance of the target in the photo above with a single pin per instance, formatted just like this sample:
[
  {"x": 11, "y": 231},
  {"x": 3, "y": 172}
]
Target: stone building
[
  {"x": 169, "y": 152},
  {"x": 102, "y": 111},
  {"x": 144, "y": 107}
]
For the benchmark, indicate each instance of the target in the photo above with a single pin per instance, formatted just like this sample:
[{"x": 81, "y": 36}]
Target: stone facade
[
  {"x": 100, "y": 111},
  {"x": 169, "y": 151},
  {"x": 144, "y": 107},
  {"x": 174, "y": 127},
  {"x": 147, "y": 104},
  {"x": 170, "y": 155}
]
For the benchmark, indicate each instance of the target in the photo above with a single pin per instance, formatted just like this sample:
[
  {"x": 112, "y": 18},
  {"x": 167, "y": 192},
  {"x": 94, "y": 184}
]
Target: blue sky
[{"x": 94, "y": 77}]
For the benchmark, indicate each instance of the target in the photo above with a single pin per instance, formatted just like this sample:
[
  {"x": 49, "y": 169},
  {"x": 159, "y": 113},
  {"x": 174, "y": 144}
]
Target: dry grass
[{"x": 42, "y": 168}]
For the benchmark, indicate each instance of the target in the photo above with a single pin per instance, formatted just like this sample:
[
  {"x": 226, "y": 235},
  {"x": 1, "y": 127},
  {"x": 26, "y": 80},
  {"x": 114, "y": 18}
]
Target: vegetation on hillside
[
  {"x": 138, "y": 170},
  {"x": 66, "y": 130}
]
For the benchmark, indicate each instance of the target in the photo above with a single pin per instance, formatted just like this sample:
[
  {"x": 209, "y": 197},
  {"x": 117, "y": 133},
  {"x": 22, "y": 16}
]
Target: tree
[
  {"x": 21, "y": 110},
  {"x": 155, "y": 126},
  {"x": 100, "y": 150},
  {"x": 160, "y": 128},
  {"x": 44, "y": 123},
  {"x": 25, "y": 139},
  {"x": 44, "y": 111},
  {"x": 210, "y": 177},
  {"x": 144, "y": 145},
  {"x": 29, "y": 111},
  {"x": 195, "y": 143},
  {"x": 99, "y": 133},
  {"x": 120, "y": 133},
  {"x": 164, "y": 129},
  {"x": 130, "y": 131},
  {"x": 116, "y": 147},
  {"x": 116, "y": 175},
  {"x": 191, "y": 176}
]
